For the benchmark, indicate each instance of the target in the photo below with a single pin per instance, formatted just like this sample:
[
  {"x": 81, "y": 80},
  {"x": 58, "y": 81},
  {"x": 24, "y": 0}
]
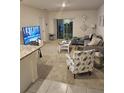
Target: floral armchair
[{"x": 81, "y": 61}]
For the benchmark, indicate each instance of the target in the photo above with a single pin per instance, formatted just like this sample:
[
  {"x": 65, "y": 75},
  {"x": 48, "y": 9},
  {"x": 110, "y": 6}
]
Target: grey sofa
[{"x": 79, "y": 40}]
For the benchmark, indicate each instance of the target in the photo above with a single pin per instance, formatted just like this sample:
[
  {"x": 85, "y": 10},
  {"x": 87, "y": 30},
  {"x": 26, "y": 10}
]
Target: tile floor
[
  {"x": 52, "y": 66},
  {"x": 54, "y": 77},
  {"x": 49, "y": 86}
]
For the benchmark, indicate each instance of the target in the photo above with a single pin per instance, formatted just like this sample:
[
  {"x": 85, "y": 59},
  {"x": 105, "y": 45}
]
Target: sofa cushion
[
  {"x": 94, "y": 41},
  {"x": 86, "y": 37}
]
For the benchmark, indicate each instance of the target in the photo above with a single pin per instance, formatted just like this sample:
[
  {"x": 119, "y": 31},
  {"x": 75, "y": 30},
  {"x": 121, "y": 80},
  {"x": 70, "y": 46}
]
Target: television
[{"x": 31, "y": 33}]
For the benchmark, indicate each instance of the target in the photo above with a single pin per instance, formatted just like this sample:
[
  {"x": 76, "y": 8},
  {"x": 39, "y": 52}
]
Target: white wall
[
  {"x": 31, "y": 16},
  {"x": 77, "y": 20},
  {"x": 100, "y": 29}
]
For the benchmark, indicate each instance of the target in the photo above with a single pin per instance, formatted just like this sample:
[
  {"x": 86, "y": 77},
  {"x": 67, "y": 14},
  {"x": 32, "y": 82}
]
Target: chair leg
[
  {"x": 67, "y": 67},
  {"x": 74, "y": 76},
  {"x": 89, "y": 73},
  {"x": 68, "y": 50}
]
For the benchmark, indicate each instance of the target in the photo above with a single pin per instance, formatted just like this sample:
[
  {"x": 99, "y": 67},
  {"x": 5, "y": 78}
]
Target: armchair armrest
[
  {"x": 88, "y": 50},
  {"x": 68, "y": 56},
  {"x": 70, "y": 61},
  {"x": 77, "y": 52}
]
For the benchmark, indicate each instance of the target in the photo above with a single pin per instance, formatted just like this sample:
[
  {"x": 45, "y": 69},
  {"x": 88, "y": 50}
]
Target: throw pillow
[{"x": 94, "y": 41}]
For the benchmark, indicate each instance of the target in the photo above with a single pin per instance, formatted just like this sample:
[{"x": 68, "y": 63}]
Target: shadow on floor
[
  {"x": 94, "y": 75},
  {"x": 87, "y": 76},
  {"x": 43, "y": 70}
]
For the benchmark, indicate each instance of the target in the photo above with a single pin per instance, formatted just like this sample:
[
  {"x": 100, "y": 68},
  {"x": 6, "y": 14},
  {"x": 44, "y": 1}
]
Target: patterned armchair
[{"x": 81, "y": 61}]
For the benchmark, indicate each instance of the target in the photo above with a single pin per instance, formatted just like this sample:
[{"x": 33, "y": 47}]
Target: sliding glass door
[{"x": 64, "y": 28}]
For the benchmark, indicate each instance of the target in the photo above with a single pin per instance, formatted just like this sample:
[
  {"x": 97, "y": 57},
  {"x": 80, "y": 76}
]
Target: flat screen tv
[{"x": 31, "y": 33}]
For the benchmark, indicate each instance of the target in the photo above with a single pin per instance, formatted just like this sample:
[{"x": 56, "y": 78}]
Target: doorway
[{"x": 64, "y": 28}]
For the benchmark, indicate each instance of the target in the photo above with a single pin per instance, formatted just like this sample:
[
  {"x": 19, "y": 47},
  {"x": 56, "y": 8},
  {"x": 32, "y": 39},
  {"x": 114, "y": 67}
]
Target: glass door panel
[{"x": 64, "y": 29}]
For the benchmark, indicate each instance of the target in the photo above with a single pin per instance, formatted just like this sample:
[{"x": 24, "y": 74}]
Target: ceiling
[{"x": 53, "y": 5}]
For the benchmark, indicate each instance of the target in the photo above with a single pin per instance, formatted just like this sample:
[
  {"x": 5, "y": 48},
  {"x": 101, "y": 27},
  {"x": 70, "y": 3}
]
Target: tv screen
[{"x": 31, "y": 33}]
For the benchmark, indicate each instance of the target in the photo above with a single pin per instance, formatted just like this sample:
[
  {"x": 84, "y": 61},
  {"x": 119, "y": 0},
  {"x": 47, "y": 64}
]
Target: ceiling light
[{"x": 63, "y": 4}]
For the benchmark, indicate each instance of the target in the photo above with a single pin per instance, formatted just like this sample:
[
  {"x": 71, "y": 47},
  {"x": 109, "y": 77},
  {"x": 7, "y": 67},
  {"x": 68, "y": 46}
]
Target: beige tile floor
[
  {"x": 54, "y": 75},
  {"x": 49, "y": 86}
]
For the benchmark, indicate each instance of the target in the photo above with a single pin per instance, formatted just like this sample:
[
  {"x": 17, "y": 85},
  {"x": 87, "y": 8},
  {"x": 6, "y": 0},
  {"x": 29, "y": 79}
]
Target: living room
[
  {"x": 79, "y": 22},
  {"x": 60, "y": 46}
]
